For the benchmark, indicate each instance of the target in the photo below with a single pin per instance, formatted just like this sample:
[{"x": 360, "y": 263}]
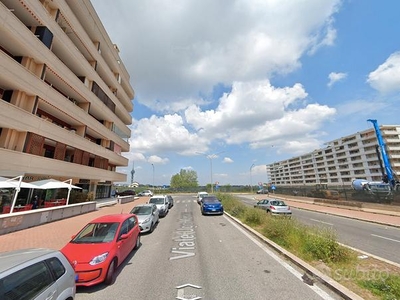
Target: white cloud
[
  {"x": 254, "y": 112},
  {"x": 335, "y": 77},
  {"x": 227, "y": 160},
  {"x": 386, "y": 78},
  {"x": 200, "y": 49},
  {"x": 165, "y": 134},
  {"x": 154, "y": 159},
  {"x": 258, "y": 113}
]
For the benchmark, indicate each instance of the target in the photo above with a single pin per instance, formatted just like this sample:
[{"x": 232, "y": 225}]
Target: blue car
[{"x": 211, "y": 206}]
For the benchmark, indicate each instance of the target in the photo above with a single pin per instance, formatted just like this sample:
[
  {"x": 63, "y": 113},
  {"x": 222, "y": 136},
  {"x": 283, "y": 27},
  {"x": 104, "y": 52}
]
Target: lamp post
[
  {"x": 251, "y": 179},
  {"x": 153, "y": 178},
  {"x": 210, "y": 157}
]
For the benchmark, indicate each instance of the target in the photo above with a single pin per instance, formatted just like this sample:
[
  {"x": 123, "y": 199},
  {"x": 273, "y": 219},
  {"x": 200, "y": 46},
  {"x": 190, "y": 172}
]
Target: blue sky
[{"x": 254, "y": 81}]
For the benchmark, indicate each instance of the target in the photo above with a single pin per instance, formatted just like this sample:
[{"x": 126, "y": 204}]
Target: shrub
[
  {"x": 254, "y": 216},
  {"x": 321, "y": 244},
  {"x": 387, "y": 288}
]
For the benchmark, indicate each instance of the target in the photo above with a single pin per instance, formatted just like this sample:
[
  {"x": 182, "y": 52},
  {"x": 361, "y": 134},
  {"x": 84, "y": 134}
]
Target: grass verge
[{"x": 368, "y": 277}]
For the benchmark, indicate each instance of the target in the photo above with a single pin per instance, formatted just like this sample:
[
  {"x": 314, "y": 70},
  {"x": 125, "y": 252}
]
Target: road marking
[
  {"x": 298, "y": 275},
  {"x": 185, "y": 238},
  {"x": 319, "y": 221},
  {"x": 181, "y": 295},
  {"x": 386, "y": 238}
]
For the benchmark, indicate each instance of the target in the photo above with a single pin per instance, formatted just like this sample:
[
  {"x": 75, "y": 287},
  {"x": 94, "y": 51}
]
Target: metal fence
[{"x": 341, "y": 192}]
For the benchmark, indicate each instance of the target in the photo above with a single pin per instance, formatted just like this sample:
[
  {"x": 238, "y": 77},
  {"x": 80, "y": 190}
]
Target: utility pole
[{"x": 210, "y": 157}]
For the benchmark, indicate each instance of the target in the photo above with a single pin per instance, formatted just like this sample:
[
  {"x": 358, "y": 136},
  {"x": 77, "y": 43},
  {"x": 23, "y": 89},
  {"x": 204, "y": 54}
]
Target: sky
[{"x": 225, "y": 87}]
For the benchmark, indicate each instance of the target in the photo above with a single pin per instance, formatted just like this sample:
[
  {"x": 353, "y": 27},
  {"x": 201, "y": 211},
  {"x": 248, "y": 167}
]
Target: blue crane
[{"x": 388, "y": 177}]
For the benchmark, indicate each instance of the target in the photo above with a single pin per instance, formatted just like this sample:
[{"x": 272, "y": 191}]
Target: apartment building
[
  {"x": 352, "y": 157},
  {"x": 65, "y": 95}
]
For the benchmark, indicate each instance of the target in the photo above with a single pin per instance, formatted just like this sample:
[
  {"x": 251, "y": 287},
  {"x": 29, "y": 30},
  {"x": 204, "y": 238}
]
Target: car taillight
[
  {"x": 288, "y": 207},
  {"x": 273, "y": 207}
]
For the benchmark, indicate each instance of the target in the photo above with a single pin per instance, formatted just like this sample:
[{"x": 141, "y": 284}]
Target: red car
[{"x": 101, "y": 246}]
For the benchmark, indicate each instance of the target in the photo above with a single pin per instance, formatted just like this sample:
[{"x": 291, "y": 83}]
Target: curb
[{"x": 326, "y": 280}]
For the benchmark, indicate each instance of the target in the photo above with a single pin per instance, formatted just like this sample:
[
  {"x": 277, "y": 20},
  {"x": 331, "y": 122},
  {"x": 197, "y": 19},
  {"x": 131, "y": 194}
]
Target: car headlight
[
  {"x": 98, "y": 259},
  {"x": 147, "y": 220}
]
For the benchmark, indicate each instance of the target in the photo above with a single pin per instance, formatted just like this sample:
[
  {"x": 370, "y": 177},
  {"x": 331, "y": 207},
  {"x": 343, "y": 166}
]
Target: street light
[
  {"x": 153, "y": 177},
  {"x": 251, "y": 180},
  {"x": 210, "y": 157}
]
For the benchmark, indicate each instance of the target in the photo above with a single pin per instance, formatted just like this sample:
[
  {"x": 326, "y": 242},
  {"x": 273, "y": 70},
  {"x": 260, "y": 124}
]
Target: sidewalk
[{"x": 56, "y": 235}]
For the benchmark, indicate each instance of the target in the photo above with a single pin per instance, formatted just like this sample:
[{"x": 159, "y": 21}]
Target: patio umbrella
[
  {"x": 17, "y": 185},
  {"x": 55, "y": 184}
]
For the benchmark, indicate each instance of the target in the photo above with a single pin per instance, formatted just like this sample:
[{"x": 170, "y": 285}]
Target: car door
[
  {"x": 264, "y": 204},
  {"x": 125, "y": 245},
  {"x": 154, "y": 212}
]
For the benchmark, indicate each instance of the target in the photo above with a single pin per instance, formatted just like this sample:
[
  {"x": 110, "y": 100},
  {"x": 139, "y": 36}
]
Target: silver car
[
  {"x": 274, "y": 207},
  {"x": 162, "y": 204},
  {"x": 147, "y": 215},
  {"x": 36, "y": 274}
]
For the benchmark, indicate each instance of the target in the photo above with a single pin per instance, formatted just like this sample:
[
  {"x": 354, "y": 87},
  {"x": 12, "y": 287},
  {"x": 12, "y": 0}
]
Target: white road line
[
  {"x": 298, "y": 275},
  {"x": 319, "y": 221},
  {"x": 386, "y": 238}
]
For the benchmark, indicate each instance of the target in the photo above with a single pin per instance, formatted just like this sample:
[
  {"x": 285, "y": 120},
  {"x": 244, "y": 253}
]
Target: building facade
[
  {"x": 65, "y": 95},
  {"x": 341, "y": 161}
]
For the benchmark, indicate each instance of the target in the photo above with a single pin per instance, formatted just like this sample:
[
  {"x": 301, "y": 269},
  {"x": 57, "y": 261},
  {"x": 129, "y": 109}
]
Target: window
[
  {"x": 56, "y": 267},
  {"x": 27, "y": 283},
  {"x": 131, "y": 223}
]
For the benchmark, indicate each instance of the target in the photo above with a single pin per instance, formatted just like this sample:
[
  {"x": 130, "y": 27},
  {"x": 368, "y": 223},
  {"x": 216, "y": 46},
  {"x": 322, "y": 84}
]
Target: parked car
[
  {"x": 263, "y": 191},
  {"x": 101, "y": 246},
  {"x": 274, "y": 207},
  {"x": 147, "y": 215},
  {"x": 170, "y": 201},
  {"x": 200, "y": 195},
  {"x": 126, "y": 193},
  {"x": 36, "y": 274},
  {"x": 162, "y": 204},
  {"x": 146, "y": 193},
  {"x": 210, "y": 205}
]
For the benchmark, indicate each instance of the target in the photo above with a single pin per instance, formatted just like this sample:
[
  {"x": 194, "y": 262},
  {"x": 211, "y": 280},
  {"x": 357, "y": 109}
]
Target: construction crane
[
  {"x": 385, "y": 188},
  {"x": 388, "y": 174}
]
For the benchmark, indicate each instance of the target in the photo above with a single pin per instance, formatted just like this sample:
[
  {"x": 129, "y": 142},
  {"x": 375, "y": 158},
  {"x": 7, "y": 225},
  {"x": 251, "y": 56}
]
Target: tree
[{"x": 184, "y": 179}]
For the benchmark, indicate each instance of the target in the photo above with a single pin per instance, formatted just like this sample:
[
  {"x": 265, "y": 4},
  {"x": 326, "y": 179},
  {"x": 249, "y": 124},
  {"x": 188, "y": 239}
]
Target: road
[
  {"x": 379, "y": 240},
  {"x": 190, "y": 256}
]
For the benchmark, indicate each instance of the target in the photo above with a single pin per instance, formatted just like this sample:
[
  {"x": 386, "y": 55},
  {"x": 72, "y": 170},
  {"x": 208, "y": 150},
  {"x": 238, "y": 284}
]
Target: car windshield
[
  {"x": 157, "y": 200},
  {"x": 210, "y": 200},
  {"x": 96, "y": 233},
  {"x": 141, "y": 210}
]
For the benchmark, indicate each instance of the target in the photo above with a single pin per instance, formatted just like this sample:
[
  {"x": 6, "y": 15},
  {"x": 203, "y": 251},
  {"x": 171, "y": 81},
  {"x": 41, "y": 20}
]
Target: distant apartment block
[
  {"x": 344, "y": 159},
  {"x": 65, "y": 95}
]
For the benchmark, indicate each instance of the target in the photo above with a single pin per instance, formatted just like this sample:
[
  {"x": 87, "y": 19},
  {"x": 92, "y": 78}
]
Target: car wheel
[
  {"x": 110, "y": 273},
  {"x": 152, "y": 227},
  {"x": 137, "y": 242}
]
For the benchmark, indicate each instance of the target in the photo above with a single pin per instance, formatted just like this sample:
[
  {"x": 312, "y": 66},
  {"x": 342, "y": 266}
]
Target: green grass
[{"x": 313, "y": 244}]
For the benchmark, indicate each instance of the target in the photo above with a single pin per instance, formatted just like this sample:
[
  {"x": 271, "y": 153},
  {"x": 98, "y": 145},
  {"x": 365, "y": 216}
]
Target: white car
[
  {"x": 201, "y": 195},
  {"x": 146, "y": 193},
  {"x": 162, "y": 203},
  {"x": 147, "y": 215}
]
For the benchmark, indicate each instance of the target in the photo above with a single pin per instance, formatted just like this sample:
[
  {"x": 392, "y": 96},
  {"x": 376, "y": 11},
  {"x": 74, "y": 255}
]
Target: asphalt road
[
  {"x": 382, "y": 241},
  {"x": 190, "y": 256}
]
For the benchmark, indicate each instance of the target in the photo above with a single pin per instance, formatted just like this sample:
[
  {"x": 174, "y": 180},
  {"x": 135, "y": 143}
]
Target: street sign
[{"x": 273, "y": 187}]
